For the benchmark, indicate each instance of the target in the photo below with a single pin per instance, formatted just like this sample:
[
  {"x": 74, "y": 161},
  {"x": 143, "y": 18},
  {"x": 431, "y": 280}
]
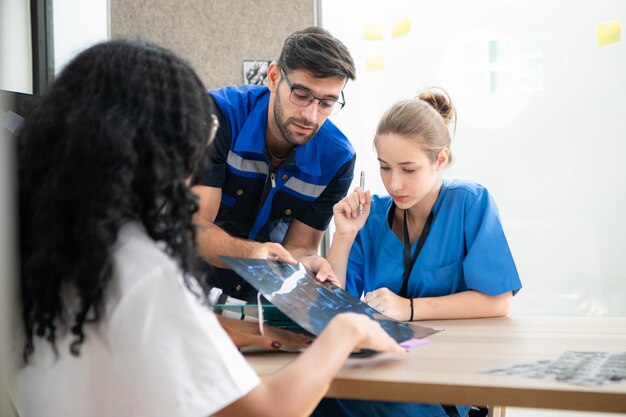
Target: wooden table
[{"x": 447, "y": 370}]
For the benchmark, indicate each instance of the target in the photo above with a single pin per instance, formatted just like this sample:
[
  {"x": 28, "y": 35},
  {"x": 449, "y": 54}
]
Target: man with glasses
[{"x": 277, "y": 165}]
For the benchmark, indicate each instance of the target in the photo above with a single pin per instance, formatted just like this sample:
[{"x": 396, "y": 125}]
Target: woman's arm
[
  {"x": 348, "y": 222},
  {"x": 296, "y": 389},
  {"x": 463, "y": 305},
  {"x": 338, "y": 255}
]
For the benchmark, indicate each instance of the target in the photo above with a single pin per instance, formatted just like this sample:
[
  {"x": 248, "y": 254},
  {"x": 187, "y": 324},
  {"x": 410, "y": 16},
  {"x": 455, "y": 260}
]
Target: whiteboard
[{"x": 540, "y": 89}]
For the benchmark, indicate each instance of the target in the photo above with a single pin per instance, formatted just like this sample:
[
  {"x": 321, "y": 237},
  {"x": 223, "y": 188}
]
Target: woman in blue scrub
[{"x": 433, "y": 248}]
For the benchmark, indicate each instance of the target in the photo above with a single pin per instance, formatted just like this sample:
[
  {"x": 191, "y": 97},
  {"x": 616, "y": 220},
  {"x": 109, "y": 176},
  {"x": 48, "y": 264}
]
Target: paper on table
[{"x": 574, "y": 367}]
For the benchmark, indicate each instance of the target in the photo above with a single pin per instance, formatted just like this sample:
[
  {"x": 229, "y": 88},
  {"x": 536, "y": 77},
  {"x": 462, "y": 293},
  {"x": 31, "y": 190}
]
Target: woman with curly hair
[{"x": 112, "y": 320}]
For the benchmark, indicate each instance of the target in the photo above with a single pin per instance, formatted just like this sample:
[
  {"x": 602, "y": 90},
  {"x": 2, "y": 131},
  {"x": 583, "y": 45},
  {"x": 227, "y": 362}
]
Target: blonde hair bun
[{"x": 439, "y": 99}]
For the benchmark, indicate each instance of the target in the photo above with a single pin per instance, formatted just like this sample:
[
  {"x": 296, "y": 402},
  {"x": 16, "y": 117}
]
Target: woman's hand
[
  {"x": 348, "y": 220},
  {"x": 367, "y": 332},
  {"x": 389, "y": 304}
]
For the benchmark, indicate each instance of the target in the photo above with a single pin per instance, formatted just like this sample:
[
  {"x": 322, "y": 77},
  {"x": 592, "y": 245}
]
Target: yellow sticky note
[
  {"x": 608, "y": 33},
  {"x": 401, "y": 28},
  {"x": 373, "y": 32},
  {"x": 375, "y": 61}
]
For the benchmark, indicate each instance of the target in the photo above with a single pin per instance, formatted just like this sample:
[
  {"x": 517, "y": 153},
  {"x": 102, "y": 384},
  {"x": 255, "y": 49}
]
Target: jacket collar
[{"x": 249, "y": 140}]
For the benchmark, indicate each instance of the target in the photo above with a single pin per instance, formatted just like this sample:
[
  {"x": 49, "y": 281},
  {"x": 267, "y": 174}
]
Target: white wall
[
  {"x": 11, "y": 17},
  {"x": 541, "y": 124},
  {"x": 78, "y": 24},
  {"x": 15, "y": 46}
]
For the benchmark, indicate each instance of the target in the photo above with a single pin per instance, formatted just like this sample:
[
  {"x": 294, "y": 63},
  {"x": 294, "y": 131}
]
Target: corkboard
[{"x": 214, "y": 36}]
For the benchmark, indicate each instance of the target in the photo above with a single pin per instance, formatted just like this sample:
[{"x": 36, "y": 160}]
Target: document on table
[{"x": 574, "y": 367}]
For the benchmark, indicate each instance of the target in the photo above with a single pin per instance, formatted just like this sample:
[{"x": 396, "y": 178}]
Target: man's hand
[
  {"x": 319, "y": 265},
  {"x": 271, "y": 251}
]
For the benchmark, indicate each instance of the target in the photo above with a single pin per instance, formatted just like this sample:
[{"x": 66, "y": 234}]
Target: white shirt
[{"x": 156, "y": 351}]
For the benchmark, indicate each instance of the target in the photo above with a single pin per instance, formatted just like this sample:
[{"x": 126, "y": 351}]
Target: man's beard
[{"x": 282, "y": 125}]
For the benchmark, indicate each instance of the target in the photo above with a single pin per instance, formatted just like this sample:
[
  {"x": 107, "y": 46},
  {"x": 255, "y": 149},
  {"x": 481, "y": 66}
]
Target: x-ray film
[{"x": 312, "y": 304}]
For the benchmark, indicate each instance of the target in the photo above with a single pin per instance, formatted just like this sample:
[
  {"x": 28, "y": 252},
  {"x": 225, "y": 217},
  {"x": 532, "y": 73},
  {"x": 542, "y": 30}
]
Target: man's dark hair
[
  {"x": 314, "y": 49},
  {"x": 112, "y": 141}
]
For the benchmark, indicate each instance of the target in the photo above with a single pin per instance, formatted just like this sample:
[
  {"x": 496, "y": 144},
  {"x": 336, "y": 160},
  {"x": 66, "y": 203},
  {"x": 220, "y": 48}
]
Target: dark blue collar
[{"x": 307, "y": 155}]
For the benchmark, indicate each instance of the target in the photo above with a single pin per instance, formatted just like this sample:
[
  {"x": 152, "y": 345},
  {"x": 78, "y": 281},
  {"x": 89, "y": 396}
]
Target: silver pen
[{"x": 362, "y": 185}]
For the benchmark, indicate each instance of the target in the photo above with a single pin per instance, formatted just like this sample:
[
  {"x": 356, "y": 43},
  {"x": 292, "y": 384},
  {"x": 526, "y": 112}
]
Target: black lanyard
[{"x": 408, "y": 260}]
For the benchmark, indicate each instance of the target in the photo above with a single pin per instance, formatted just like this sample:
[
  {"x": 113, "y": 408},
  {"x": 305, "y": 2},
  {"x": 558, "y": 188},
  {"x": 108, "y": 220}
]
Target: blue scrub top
[{"x": 465, "y": 250}]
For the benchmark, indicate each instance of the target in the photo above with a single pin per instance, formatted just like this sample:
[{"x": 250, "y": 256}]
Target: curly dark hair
[{"x": 113, "y": 140}]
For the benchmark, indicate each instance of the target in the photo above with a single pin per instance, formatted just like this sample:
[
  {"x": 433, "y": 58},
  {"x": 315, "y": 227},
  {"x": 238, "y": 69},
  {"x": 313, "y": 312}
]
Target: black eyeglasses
[{"x": 302, "y": 98}]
